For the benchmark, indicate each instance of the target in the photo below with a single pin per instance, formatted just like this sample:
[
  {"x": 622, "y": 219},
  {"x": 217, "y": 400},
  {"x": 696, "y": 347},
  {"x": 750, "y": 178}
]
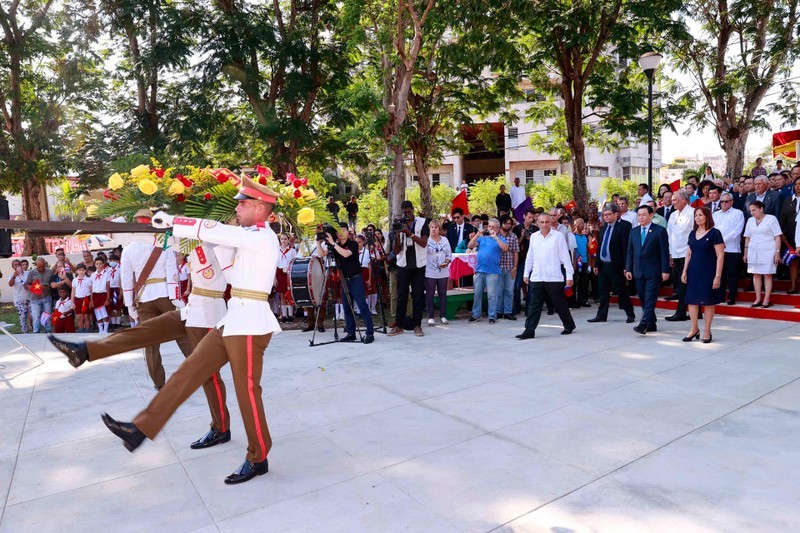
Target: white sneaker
[
  {"x": 444, "y": 321},
  {"x": 431, "y": 322}
]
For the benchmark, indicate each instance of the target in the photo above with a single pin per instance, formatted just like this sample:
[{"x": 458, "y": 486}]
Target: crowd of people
[{"x": 700, "y": 240}]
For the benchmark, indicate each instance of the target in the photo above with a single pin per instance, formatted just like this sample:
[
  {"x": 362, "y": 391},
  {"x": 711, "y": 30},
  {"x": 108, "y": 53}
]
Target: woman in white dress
[{"x": 762, "y": 250}]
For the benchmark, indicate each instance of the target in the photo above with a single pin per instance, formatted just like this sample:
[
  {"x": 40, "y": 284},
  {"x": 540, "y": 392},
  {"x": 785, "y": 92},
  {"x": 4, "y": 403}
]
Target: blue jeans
[
  {"x": 45, "y": 305},
  {"x": 505, "y": 293},
  {"x": 358, "y": 297},
  {"x": 491, "y": 282},
  {"x": 518, "y": 282}
]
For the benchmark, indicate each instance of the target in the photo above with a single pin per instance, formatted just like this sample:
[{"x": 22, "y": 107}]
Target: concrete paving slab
[{"x": 464, "y": 429}]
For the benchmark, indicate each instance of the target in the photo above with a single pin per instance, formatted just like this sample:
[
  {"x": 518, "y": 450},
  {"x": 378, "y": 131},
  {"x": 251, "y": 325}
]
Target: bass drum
[{"x": 307, "y": 281}]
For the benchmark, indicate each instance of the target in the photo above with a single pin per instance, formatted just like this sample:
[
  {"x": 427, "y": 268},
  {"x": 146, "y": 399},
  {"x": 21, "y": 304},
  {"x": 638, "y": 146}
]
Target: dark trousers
[
  {"x": 554, "y": 290},
  {"x": 518, "y": 284},
  {"x": 432, "y": 286},
  {"x": 730, "y": 272},
  {"x": 582, "y": 285},
  {"x": 647, "y": 288},
  {"x": 609, "y": 278},
  {"x": 677, "y": 272},
  {"x": 415, "y": 279},
  {"x": 358, "y": 297}
]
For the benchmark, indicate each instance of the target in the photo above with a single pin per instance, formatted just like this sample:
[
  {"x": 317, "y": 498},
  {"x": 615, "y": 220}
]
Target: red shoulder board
[
  {"x": 184, "y": 221},
  {"x": 201, "y": 255}
]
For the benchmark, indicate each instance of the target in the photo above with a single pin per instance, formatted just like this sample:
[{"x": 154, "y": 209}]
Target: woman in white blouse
[
  {"x": 762, "y": 250},
  {"x": 437, "y": 270}
]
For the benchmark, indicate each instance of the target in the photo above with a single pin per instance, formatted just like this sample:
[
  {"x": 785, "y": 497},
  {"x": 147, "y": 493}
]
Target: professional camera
[
  {"x": 325, "y": 229},
  {"x": 397, "y": 223},
  {"x": 369, "y": 236},
  {"x": 485, "y": 232}
]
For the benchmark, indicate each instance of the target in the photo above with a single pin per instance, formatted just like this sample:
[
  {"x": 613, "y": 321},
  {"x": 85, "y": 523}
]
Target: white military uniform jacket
[
  {"x": 254, "y": 265},
  {"x": 207, "y": 273},
  {"x": 134, "y": 257}
]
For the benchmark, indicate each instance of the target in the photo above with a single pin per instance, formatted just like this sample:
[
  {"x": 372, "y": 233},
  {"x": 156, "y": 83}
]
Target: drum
[{"x": 306, "y": 281}]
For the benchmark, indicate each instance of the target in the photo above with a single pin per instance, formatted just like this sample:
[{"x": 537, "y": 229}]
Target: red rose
[
  {"x": 262, "y": 180},
  {"x": 297, "y": 193},
  {"x": 180, "y": 198},
  {"x": 290, "y": 177},
  {"x": 296, "y": 184},
  {"x": 303, "y": 182},
  {"x": 183, "y": 179},
  {"x": 208, "y": 195},
  {"x": 263, "y": 171},
  {"x": 159, "y": 172}
]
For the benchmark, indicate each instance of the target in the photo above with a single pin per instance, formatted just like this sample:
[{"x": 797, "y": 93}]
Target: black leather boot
[
  {"x": 130, "y": 434},
  {"x": 76, "y": 352}
]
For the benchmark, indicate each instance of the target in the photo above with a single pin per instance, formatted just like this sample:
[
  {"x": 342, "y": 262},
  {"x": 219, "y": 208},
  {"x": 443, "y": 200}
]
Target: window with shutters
[
  {"x": 597, "y": 172},
  {"x": 513, "y": 137}
]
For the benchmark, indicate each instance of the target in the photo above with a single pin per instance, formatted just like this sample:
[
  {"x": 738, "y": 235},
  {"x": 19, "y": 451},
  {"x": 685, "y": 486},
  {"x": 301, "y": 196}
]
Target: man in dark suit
[
  {"x": 771, "y": 199},
  {"x": 667, "y": 209},
  {"x": 647, "y": 262},
  {"x": 788, "y": 220},
  {"x": 610, "y": 267},
  {"x": 459, "y": 229}
]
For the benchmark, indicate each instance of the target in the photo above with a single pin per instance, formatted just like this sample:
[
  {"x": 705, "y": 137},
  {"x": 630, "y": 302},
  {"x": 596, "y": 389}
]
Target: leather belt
[
  {"x": 248, "y": 294},
  {"x": 208, "y": 293}
]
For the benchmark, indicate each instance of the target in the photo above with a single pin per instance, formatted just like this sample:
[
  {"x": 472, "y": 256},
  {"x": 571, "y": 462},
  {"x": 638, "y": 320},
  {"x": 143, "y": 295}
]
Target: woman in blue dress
[{"x": 702, "y": 272}]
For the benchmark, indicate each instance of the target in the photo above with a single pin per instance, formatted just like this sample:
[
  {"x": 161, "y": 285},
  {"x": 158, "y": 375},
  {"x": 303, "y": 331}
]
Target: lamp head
[{"x": 649, "y": 62}]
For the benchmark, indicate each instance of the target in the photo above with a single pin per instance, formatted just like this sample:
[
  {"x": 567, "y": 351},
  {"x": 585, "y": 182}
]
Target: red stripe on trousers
[
  {"x": 251, "y": 387},
  {"x": 221, "y": 403}
]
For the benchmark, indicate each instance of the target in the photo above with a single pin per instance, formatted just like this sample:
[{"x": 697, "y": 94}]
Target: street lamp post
[{"x": 649, "y": 62}]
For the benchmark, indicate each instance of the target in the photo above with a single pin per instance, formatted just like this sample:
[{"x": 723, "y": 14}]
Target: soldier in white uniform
[
  {"x": 205, "y": 309},
  {"x": 159, "y": 294},
  {"x": 240, "y": 337}
]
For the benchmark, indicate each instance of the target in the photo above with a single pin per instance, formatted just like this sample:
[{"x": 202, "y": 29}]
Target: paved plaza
[{"x": 465, "y": 429}]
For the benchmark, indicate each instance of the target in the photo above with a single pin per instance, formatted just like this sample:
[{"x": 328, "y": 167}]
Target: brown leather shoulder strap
[{"x": 138, "y": 285}]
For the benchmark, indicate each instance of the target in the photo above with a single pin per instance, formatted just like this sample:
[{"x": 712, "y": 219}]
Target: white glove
[
  {"x": 133, "y": 314},
  {"x": 162, "y": 220},
  {"x": 178, "y": 304}
]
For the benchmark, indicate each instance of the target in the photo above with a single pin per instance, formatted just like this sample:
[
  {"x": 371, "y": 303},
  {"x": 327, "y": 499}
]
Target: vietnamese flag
[
  {"x": 572, "y": 204},
  {"x": 36, "y": 288},
  {"x": 461, "y": 201}
]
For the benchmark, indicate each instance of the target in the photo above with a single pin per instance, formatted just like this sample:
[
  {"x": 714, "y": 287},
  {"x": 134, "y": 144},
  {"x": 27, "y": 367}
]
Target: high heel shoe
[
  {"x": 708, "y": 340},
  {"x": 757, "y": 304},
  {"x": 691, "y": 337},
  {"x": 765, "y": 306}
]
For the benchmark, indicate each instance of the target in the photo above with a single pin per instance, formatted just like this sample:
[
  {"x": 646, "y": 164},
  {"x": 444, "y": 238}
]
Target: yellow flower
[
  {"x": 148, "y": 187},
  {"x": 300, "y": 201},
  {"x": 176, "y": 188},
  {"x": 142, "y": 171},
  {"x": 306, "y": 216},
  {"x": 309, "y": 195},
  {"x": 115, "y": 182},
  {"x": 91, "y": 210}
]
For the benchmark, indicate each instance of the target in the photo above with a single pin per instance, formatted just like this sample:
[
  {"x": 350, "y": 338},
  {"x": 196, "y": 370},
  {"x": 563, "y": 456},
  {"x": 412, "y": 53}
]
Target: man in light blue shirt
[{"x": 490, "y": 245}]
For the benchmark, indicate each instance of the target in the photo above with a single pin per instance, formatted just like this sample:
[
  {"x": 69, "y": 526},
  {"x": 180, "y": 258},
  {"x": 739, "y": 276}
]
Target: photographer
[
  {"x": 490, "y": 245},
  {"x": 345, "y": 251},
  {"x": 411, "y": 249}
]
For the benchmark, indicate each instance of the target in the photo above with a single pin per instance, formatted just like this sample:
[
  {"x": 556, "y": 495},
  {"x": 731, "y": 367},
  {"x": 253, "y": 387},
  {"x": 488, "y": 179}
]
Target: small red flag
[
  {"x": 36, "y": 288},
  {"x": 572, "y": 204},
  {"x": 675, "y": 185},
  {"x": 461, "y": 201}
]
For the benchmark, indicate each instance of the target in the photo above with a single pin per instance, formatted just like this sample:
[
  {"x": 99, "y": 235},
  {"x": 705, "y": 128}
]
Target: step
[
  {"x": 778, "y": 285},
  {"x": 777, "y": 312},
  {"x": 778, "y": 297}
]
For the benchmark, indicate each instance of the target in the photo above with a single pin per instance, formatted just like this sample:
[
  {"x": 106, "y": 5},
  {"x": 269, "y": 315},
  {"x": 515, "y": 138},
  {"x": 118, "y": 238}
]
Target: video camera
[
  {"x": 326, "y": 229},
  {"x": 397, "y": 223}
]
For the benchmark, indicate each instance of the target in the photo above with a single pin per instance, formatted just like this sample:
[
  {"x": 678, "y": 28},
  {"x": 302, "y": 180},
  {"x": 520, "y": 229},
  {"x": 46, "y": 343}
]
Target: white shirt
[
  {"x": 254, "y": 266},
  {"x": 631, "y": 217},
  {"x": 517, "y": 195},
  {"x": 183, "y": 271},
  {"x": 113, "y": 277},
  {"x": 644, "y": 199},
  {"x": 731, "y": 224},
  {"x": 285, "y": 257},
  {"x": 21, "y": 293},
  {"x": 546, "y": 256},
  {"x": 64, "y": 306},
  {"x": 82, "y": 287},
  {"x": 207, "y": 272},
  {"x": 679, "y": 226},
  {"x": 100, "y": 281},
  {"x": 134, "y": 257}
]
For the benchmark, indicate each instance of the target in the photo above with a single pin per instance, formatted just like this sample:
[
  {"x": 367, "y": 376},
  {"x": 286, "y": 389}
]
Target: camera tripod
[
  {"x": 374, "y": 272},
  {"x": 330, "y": 267}
]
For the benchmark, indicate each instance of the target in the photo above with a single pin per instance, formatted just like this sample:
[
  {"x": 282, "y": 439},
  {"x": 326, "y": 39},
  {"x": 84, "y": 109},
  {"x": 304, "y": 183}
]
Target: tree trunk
[
  {"x": 572, "y": 93},
  {"x": 397, "y": 182},
  {"x": 734, "y": 143},
  {"x": 32, "y": 208},
  {"x": 420, "y": 164}
]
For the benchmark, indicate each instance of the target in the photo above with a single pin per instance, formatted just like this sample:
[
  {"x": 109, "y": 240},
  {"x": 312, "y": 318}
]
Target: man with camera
[
  {"x": 345, "y": 250},
  {"x": 411, "y": 250}
]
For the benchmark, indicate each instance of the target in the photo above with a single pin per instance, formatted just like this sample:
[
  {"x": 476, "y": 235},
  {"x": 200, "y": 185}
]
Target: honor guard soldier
[
  {"x": 205, "y": 309},
  {"x": 240, "y": 337},
  {"x": 150, "y": 287}
]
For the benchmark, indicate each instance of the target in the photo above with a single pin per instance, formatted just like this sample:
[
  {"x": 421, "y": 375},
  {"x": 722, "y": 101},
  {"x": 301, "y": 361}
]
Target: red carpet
[{"x": 785, "y": 306}]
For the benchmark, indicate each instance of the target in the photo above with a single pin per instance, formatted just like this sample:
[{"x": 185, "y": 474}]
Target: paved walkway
[{"x": 466, "y": 429}]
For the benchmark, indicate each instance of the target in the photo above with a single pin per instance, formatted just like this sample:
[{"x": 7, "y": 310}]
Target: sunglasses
[{"x": 726, "y": 201}]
